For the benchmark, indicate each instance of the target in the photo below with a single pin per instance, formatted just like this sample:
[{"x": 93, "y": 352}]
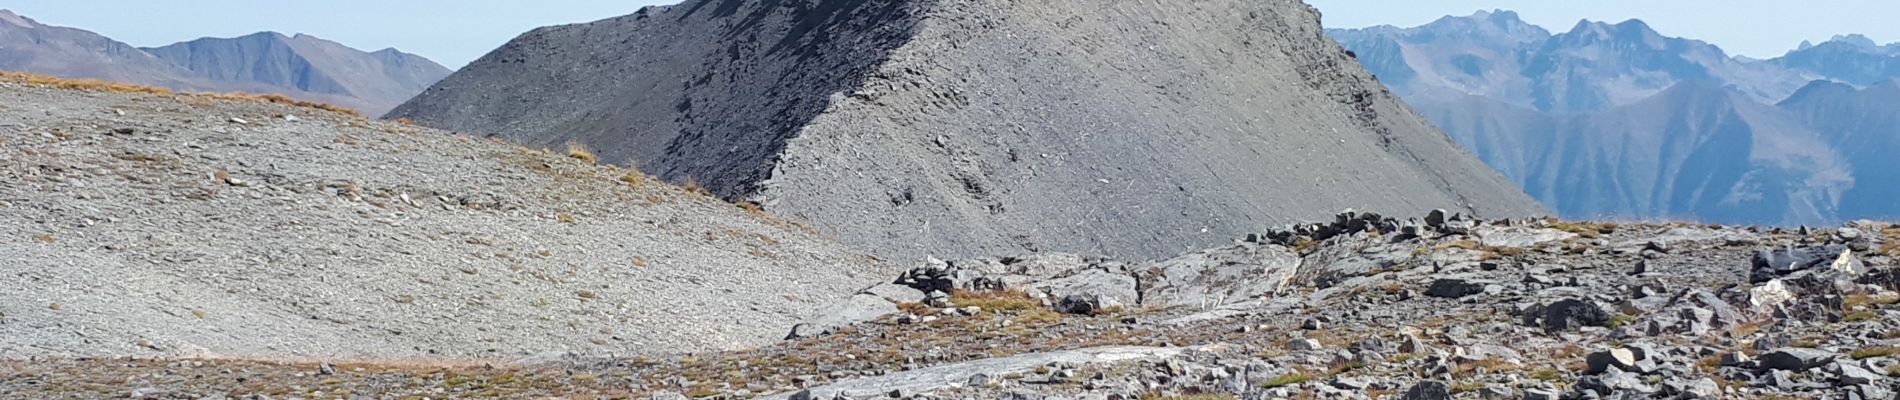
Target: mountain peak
[
  {"x": 1628, "y": 31},
  {"x": 1491, "y": 24},
  {"x": 1856, "y": 40}
]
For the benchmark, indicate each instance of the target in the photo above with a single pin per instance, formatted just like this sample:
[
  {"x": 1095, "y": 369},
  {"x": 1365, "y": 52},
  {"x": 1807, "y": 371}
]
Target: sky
[
  {"x": 1755, "y": 28},
  {"x": 455, "y": 32},
  {"x": 450, "y": 32}
]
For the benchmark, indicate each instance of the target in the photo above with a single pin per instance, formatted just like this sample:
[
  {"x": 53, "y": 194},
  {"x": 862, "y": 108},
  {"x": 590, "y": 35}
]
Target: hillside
[
  {"x": 916, "y": 128},
  {"x": 142, "y": 225},
  {"x": 302, "y": 66}
]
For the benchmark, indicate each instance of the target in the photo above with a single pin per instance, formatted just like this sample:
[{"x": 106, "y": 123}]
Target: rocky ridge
[{"x": 920, "y": 127}]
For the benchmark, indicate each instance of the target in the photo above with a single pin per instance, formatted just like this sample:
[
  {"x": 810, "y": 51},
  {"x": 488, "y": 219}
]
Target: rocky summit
[
  {"x": 919, "y": 127},
  {"x": 1365, "y": 306}
]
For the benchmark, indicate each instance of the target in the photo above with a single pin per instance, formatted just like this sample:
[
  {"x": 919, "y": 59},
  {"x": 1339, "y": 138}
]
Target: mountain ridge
[
  {"x": 1612, "y": 80},
  {"x": 299, "y": 66}
]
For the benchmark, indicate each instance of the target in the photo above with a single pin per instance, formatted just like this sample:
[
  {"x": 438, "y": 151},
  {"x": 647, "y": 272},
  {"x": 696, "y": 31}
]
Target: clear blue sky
[
  {"x": 454, "y": 32},
  {"x": 451, "y": 32},
  {"x": 1756, "y": 28}
]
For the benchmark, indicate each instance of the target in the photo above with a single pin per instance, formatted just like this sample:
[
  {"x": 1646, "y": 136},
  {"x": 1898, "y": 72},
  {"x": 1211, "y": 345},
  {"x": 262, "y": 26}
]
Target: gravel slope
[
  {"x": 142, "y": 225},
  {"x": 912, "y": 128}
]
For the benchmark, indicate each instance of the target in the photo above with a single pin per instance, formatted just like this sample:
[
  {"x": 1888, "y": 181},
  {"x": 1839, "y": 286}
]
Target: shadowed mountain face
[
  {"x": 1617, "y": 121},
  {"x": 982, "y": 127},
  {"x": 302, "y": 66}
]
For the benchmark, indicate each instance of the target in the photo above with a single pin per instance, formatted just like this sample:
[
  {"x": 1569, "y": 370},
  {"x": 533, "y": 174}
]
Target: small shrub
[
  {"x": 1620, "y": 320},
  {"x": 1547, "y": 375},
  {"x": 1286, "y": 380}
]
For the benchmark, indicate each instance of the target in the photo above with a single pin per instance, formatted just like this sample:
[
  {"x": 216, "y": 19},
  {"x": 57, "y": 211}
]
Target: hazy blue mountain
[
  {"x": 1852, "y": 59},
  {"x": 1618, "y": 121},
  {"x": 380, "y": 80},
  {"x": 301, "y": 66},
  {"x": 1480, "y": 54},
  {"x": 27, "y": 45},
  {"x": 1863, "y": 125}
]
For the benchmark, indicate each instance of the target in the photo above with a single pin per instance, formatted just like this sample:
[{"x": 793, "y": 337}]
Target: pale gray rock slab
[{"x": 942, "y": 376}]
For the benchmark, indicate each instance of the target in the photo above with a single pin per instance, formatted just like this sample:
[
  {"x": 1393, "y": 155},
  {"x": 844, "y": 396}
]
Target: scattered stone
[
  {"x": 1452, "y": 288},
  {"x": 1571, "y": 314},
  {"x": 1428, "y": 390},
  {"x": 1795, "y": 359},
  {"x": 1620, "y": 358}
]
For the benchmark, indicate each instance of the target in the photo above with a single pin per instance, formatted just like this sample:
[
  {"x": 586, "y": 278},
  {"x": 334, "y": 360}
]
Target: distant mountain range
[
  {"x": 1618, "y": 121},
  {"x": 299, "y": 66}
]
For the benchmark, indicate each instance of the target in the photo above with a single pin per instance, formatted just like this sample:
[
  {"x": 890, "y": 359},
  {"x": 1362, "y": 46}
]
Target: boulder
[
  {"x": 1084, "y": 304},
  {"x": 1621, "y": 358},
  {"x": 1222, "y": 276},
  {"x": 858, "y": 309},
  {"x": 1794, "y": 359},
  {"x": 1091, "y": 290},
  {"x": 1457, "y": 287},
  {"x": 1569, "y": 314},
  {"x": 1428, "y": 390},
  {"x": 1775, "y": 263}
]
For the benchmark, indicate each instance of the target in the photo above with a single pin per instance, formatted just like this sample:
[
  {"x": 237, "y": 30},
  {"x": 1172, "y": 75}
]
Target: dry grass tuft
[
  {"x": 1462, "y": 244},
  {"x": 1891, "y": 237},
  {"x": 1006, "y": 300},
  {"x": 1871, "y": 352},
  {"x": 1859, "y": 300},
  {"x": 1200, "y": 396},
  {"x": 1304, "y": 246},
  {"x": 578, "y": 151},
  {"x": 692, "y": 187},
  {"x": 1286, "y": 380},
  {"x": 1588, "y": 230},
  {"x": 1039, "y": 317},
  {"x": 634, "y": 178}
]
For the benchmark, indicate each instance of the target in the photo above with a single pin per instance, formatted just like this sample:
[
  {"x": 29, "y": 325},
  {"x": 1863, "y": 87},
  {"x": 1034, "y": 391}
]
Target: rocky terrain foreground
[
  {"x": 134, "y": 224},
  {"x": 1365, "y": 306}
]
